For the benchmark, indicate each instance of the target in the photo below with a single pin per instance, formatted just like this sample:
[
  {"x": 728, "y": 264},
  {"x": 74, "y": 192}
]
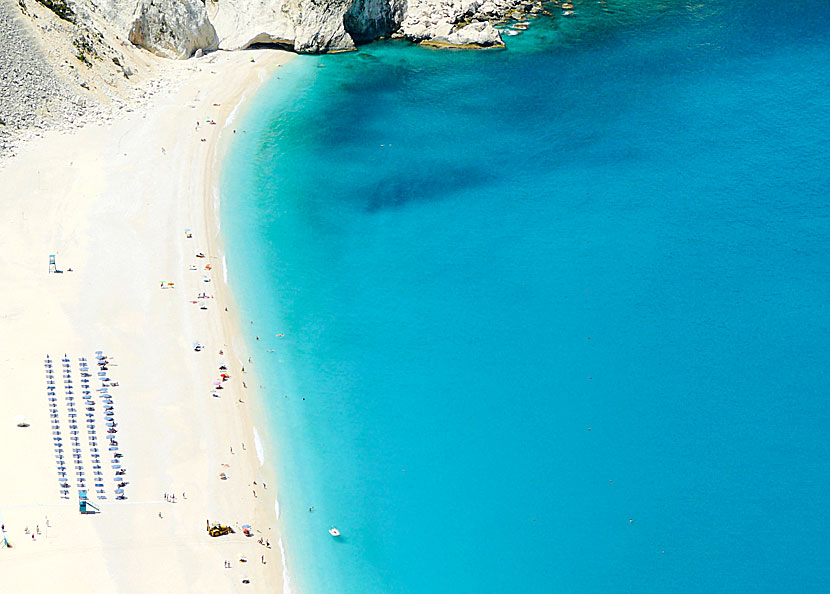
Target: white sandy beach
[{"x": 112, "y": 201}]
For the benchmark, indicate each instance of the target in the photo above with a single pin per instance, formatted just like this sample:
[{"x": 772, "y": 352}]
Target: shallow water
[{"x": 554, "y": 317}]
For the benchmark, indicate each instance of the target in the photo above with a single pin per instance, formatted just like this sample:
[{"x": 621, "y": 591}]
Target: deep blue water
[{"x": 555, "y": 317}]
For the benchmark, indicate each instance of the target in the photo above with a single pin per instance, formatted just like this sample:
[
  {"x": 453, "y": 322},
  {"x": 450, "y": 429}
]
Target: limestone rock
[
  {"x": 481, "y": 34},
  {"x": 469, "y": 7},
  {"x": 172, "y": 28},
  {"x": 487, "y": 8},
  {"x": 320, "y": 27},
  {"x": 441, "y": 31},
  {"x": 241, "y": 23},
  {"x": 366, "y": 20}
]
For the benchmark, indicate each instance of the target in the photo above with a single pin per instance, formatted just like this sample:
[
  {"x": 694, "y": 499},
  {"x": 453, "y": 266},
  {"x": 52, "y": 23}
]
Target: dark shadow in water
[{"x": 397, "y": 189}]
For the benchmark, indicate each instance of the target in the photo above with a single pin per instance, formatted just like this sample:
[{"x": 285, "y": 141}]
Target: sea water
[{"x": 551, "y": 319}]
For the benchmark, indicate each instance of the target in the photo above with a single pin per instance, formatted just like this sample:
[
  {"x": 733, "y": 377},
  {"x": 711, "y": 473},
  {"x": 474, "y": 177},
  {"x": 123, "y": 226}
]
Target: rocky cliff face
[
  {"x": 180, "y": 28},
  {"x": 366, "y": 20},
  {"x": 310, "y": 26},
  {"x": 240, "y": 23},
  {"x": 172, "y": 28}
]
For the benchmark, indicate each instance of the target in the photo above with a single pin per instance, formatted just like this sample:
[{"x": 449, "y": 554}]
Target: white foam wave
[
  {"x": 224, "y": 269},
  {"x": 286, "y": 579},
  {"x": 216, "y": 208},
  {"x": 232, "y": 115},
  {"x": 277, "y": 507}
]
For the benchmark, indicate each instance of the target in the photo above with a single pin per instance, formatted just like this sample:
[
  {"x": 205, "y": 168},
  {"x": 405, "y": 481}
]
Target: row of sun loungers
[{"x": 82, "y": 414}]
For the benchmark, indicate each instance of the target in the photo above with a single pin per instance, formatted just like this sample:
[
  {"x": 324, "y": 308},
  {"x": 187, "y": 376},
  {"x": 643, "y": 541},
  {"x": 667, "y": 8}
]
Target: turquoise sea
[{"x": 555, "y": 318}]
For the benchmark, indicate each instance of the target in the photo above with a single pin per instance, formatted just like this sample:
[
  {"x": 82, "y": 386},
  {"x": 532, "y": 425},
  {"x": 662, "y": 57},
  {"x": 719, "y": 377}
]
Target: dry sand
[{"x": 111, "y": 201}]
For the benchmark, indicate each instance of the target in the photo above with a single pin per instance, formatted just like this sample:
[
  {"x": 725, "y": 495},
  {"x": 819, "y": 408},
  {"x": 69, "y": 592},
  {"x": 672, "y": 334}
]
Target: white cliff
[
  {"x": 319, "y": 25},
  {"x": 172, "y": 28},
  {"x": 241, "y": 23},
  {"x": 180, "y": 28}
]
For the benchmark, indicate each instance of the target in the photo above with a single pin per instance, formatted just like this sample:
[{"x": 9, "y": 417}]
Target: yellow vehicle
[{"x": 218, "y": 529}]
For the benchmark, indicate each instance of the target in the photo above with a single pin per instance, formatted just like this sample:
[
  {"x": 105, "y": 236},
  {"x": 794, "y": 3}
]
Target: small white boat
[{"x": 334, "y": 531}]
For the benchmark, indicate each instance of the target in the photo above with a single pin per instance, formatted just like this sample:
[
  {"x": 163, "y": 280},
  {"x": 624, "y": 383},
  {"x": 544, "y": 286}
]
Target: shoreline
[
  {"x": 267, "y": 514},
  {"x": 111, "y": 201}
]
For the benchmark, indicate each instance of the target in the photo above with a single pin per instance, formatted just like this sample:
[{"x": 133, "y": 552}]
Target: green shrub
[{"x": 60, "y": 8}]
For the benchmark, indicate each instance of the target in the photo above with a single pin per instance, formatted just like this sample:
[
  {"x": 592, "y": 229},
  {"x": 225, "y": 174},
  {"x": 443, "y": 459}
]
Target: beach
[{"x": 125, "y": 206}]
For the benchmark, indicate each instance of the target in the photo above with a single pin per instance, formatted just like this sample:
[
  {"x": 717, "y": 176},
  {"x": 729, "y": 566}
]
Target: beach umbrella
[{"x": 20, "y": 421}]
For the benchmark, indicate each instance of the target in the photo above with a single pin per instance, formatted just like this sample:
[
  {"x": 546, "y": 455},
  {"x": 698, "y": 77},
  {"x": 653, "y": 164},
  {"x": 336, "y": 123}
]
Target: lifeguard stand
[
  {"x": 52, "y": 267},
  {"x": 85, "y": 506}
]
